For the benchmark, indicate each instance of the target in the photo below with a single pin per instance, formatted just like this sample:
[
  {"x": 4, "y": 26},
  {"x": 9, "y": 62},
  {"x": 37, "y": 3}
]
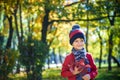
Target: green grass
[
  {"x": 54, "y": 74},
  {"x": 104, "y": 74},
  {"x": 20, "y": 76}
]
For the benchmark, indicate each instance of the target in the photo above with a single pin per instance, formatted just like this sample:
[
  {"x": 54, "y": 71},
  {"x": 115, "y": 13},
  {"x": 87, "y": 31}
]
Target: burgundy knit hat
[{"x": 76, "y": 33}]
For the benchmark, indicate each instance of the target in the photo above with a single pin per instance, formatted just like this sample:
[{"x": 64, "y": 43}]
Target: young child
[{"x": 79, "y": 64}]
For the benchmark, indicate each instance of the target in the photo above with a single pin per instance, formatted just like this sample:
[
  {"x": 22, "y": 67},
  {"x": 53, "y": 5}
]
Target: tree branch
[
  {"x": 93, "y": 19},
  {"x": 73, "y": 3}
]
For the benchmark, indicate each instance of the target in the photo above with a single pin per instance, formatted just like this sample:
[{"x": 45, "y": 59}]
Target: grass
[
  {"x": 20, "y": 76},
  {"x": 54, "y": 74},
  {"x": 104, "y": 74}
]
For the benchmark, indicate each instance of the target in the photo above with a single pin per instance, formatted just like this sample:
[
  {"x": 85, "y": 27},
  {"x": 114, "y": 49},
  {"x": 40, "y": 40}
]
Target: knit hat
[{"x": 75, "y": 33}]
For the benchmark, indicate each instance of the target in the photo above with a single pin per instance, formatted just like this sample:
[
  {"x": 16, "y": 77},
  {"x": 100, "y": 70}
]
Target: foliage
[
  {"x": 7, "y": 62},
  {"x": 33, "y": 54}
]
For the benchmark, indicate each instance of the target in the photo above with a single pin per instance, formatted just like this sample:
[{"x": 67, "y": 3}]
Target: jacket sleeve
[
  {"x": 94, "y": 70},
  {"x": 65, "y": 68}
]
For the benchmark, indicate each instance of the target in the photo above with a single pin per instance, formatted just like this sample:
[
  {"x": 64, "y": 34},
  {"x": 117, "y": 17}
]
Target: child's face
[{"x": 78, "y": 43}]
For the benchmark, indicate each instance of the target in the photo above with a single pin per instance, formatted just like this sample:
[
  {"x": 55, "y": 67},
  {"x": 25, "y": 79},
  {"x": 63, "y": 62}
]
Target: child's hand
[
  {"x": 86, "y": 77},
  {"x": 76, "y": 70}
]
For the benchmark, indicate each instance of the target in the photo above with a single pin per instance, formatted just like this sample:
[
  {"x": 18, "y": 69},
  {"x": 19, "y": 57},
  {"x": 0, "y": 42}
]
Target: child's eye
[
  {"x": 76, "y": 41},
  {"x": 82, "y": 40}
]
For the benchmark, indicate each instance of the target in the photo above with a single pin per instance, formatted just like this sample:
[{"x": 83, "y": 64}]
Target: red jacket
[{"x": 66, "y": 73}]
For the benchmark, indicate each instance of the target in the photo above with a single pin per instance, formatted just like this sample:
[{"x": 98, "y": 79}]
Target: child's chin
[{"x": 80, "y": 48}]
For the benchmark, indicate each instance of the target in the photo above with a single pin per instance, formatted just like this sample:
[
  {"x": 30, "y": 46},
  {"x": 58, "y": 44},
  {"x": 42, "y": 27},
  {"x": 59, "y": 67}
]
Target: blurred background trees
[{"x": 33, "y": 30}]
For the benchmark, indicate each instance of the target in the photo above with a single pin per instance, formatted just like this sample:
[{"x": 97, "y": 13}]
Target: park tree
[
  {"x": 108, "y": 11},
  {"x": 111, "y": 9},
  {"x": 8, "y": 56}
]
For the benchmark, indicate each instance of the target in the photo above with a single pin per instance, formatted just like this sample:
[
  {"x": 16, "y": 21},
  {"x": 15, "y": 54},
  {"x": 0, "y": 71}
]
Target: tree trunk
[
  {"x": 21, "y": 27},
  {"x": 16, "y": 25},
  {"x": 100, "y": 59},
  {"x": 87, "y": 32},
  {"x": 110, "y": 51},
  {"x": 100, "y": 54},
  {"x": 111, "y": 20},
  {"x": 18, "y": 36},
  {"x": 55, "y": 57},
  {"x": 115, "y": 60},
  {"x": 87, "y": 38},
  {"x": 45, "y": 24},
  {"x": 18, "y": 67},
  {"x": 60, "y": 56},
  {"x": 48, "y": 63},
  {"x": 8, "y": 45}
]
